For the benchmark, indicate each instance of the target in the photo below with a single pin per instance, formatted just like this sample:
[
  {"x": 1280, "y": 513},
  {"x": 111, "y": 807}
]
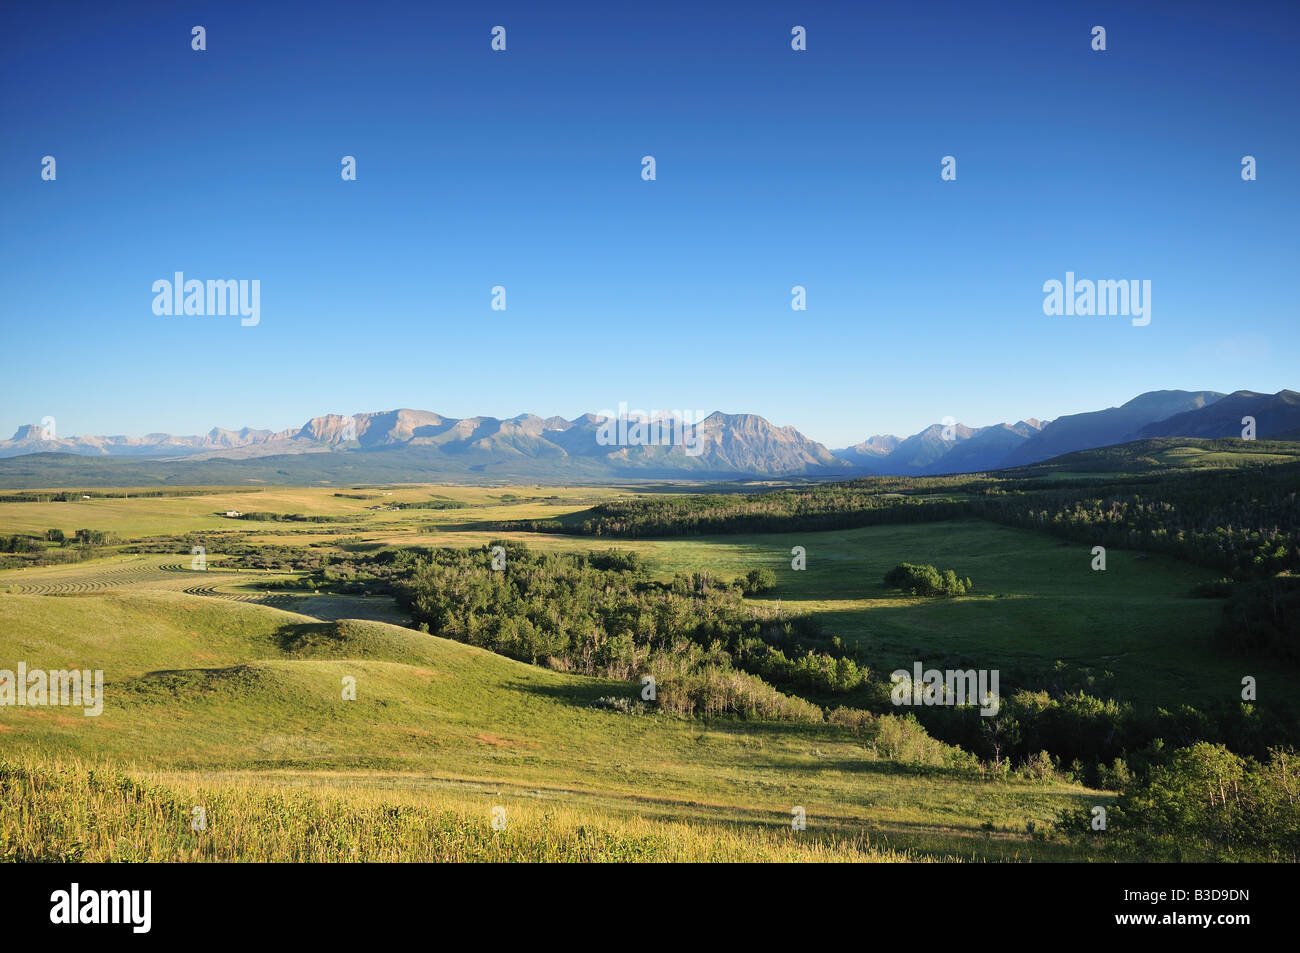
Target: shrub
[
  {"x": 925, "y": 580},
  {"x": 1213, "y": 589},
  {"x": 758, "y": 581}
]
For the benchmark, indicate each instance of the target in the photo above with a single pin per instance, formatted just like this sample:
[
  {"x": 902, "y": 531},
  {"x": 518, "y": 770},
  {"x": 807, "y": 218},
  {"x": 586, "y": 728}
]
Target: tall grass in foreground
[{"x": 69, "y": 811}]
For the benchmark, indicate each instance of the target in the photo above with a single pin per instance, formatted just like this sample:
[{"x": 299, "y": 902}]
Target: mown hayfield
[{"x": 153, "y": 573}]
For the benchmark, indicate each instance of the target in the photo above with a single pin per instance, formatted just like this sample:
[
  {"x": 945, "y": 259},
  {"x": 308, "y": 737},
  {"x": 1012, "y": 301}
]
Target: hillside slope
[{"x": 196, "y": 686}]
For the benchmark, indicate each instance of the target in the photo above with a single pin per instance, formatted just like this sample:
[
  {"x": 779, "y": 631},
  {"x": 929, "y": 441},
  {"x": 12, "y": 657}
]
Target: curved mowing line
[
  {"x": 169, "y": 577},
  {"x": 255, "y": 598},
  {"x": 80, "y": 582},
  {"x": 85, "y": 581}
]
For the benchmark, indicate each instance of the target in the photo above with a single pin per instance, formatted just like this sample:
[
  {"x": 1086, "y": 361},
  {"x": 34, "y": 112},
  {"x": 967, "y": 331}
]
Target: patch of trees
[
  {"x": 19, "y": 543},
  {"x": 1241, "y": 522},
  {"x": 1262, "y": 617},
  {"x": 94, "y": 537},
  {"x": 25, "y": 543},
  {"x": 264, "y": 517},
  {"x": 52, "y": 547},
  {"x": 1093, "y": 738},
  {"x": 1213, "y": 589},
  {"x": 926, "y": 580},
  {"x": 431, "y": 505},
  {"x": 602, "y": 614},
  {"x": 809, "y": 508},
  {"x": 1201, "y": 803}
]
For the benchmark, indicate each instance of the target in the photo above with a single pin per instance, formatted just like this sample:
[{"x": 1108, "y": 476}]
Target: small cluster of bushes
[
  {"x": 926, "y": 580},
  {"x": 758, "y": 581},
  {"x": 621, "y": 703},
  {"x": 815, "y": 672},
  {"x": 1213, "y": 589}
]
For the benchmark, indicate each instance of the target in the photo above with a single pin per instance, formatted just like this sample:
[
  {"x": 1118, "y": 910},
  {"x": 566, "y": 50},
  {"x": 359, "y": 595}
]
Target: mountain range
[{"x": 417, "y": 444}]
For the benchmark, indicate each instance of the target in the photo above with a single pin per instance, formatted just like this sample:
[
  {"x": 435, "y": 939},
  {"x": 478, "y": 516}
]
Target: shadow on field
[
  {"x": 294, "y": 638},
  {"x": 585, "y": 694},
  {"x": 740, "y": 731}
]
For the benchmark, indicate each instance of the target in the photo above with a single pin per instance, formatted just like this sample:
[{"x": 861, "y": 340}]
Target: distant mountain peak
[{"x": 721, "y": 444}]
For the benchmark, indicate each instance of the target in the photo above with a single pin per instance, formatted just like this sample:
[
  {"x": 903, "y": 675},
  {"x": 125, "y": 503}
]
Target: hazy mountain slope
[
  {"x": 748, "y": 443},
  {"x": 922, "y": 449},
  {"x": 1274, "y": 414},
  {"x": 418, "y": 445},
  {"x": 870, "y": 452},
  {"x": 986, "y": 448},
  {"x": 31, "y": 438},
  {"x": 414, "y": 446},
  {"x": 1103, "y": 427}
]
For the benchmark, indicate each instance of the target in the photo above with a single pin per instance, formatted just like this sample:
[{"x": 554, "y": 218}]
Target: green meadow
[
  {"x": 238, "y": 700},
  {"x": 222, "y": 695}
]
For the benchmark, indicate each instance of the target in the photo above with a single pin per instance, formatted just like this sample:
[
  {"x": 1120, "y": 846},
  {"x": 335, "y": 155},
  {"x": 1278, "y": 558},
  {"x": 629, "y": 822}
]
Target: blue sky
[{"x": 522, "y": 169}]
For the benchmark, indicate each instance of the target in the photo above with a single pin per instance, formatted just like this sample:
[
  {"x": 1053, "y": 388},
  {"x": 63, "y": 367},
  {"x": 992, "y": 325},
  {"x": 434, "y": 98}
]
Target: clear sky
[{"x": 775, "y": 168}]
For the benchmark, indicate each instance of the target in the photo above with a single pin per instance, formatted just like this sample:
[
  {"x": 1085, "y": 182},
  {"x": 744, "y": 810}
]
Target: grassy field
[
  {"x": 1132, "y": 627},
  {"x": 145, "y": 516},
  {"x": 222, "y": 695},
  {"x": 72, "y": 812},
  {"x": 1036, "y": 601},
  {"x": 244, "y": 702}
]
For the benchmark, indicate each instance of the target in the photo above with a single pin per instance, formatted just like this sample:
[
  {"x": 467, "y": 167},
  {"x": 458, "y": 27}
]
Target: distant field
[
  {"x": 1036, "y": 601},
  {"x": 147, "y": 516}
]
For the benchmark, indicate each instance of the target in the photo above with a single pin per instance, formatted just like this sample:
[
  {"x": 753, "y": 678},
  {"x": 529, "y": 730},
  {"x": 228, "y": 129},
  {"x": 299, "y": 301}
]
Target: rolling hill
[{"x": 240, "y": 708}]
